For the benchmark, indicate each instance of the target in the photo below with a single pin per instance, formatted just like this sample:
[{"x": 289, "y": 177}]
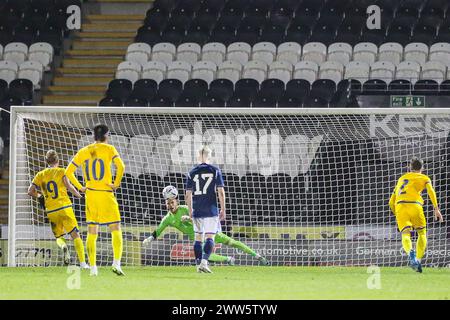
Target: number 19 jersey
[
  {"x": 50, "y": 183},
  {"x": 203, "y": 180}
]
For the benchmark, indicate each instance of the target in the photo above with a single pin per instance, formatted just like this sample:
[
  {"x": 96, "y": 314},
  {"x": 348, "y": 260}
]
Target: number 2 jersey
[
  {"x": 203, "y": 180},
  {"x": 50, "y": 183},
  {"x": 96, "y": 160},
  {"x": 409, "y": 188}
]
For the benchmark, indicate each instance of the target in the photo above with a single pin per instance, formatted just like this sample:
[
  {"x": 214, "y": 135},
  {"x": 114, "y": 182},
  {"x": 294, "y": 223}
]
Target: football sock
[
  {"x": 61, "y": 242},
  {"x": 217, "y": 258},
  {"x": 91, "y": 246},
  {"x": 79, "y": 248},
  {"x": 198, "y": 251},
  {"x": 421, "y": 243},
  {"x": 117, "y": 244},
  {"x": 406, "y": 242},
  {"x": 239, "y": 245},
  {"x": 208, "y": 248}
]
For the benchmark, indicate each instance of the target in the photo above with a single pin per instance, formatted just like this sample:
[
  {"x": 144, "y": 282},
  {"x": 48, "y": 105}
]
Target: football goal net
[{"x": 307, "y": 187}]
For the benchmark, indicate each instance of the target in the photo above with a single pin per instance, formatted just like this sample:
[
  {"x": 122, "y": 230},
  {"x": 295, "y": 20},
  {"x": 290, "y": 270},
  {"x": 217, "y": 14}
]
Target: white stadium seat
[
  {"x": 154, "y": 70},
  {"x": 314, "y": 51},
  {"x": 255, "y": 69},
  {"x": 128, "y": 70},
  {"x": 307, "y": 70},
  {"x": 331, "y": 70},
  {"x": 189, "y": 52},
  {"x": 391, "y": 51},
  {"x": 214, "y": 52},
  {"x": 180, "y": 70},
  {"x": 340, "y": 52},
  {"x": 164, "y": 52},
  {"x": 281, "y": 70},
  {"x": 230, "y": 70},
  {"x": 290, "y": 52},
  {"x": 239, "y": 52},
  {"x": 384, "y": 70},
  {"x": 434, "y": 70},
  {"x": 417, "y": 52},
  {"x": 440, "y": 52},
  {"x": 409, "y": 70},
  {"x": 358, "y": 70},
  {"x": 16, "y": 52},
  {"x": 31, "y": 70},
  {"x": 205, "y": 70},
  {"x": 41, "y": 52},
  {"x": 365, "y": 52},
  {"x": 264, "y": 51},
  {"x": 139, "y": 52},
  {"x": 8, "y": 70}
]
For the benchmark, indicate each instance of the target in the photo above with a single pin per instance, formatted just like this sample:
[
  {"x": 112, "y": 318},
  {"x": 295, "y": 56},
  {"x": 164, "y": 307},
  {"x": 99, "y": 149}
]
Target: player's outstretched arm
[
  {"x": 71, "y": 188},
  {"x": 432, "y": 194},
  {"x": 165, "y": 222}
]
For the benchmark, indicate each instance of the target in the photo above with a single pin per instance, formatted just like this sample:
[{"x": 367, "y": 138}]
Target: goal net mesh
[{"x": 303, "y": 188}]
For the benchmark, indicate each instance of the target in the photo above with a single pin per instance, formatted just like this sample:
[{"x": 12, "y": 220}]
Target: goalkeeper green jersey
[{"x": 174, "y": 220}]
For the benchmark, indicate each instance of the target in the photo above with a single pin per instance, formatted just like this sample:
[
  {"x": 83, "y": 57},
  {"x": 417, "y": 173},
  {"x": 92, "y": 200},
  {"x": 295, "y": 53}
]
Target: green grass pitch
[{"x": 226, "y": 283}]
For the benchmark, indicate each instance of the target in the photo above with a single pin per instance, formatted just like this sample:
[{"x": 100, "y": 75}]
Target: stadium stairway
[{"x": 96, "y": 50}]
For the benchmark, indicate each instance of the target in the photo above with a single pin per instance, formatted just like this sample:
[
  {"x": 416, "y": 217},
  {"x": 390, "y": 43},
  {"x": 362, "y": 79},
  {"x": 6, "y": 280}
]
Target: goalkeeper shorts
[
  {"x": 101, "y": 208},
  {"x": 209, "y": 225},
  {"x": 63, "y": 221},
  {"x": 410, "y": 215}
]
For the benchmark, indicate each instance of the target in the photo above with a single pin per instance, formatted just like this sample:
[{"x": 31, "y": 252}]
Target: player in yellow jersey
[
  {"x": 407, "y": 204},
  {"x": 101, "y": 205},
  {"x": 50, "y": 187}
]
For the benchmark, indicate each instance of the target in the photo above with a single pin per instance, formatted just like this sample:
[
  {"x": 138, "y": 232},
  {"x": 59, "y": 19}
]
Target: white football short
[{"x": 209, "y": 225}]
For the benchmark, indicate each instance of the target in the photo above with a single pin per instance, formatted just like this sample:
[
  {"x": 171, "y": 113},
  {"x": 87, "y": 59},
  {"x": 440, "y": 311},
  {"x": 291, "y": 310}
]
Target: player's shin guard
[
  {"x": 79, "y": 248},
  {"x": 61, "y": 242},
  {"x": 198, "y": 252},
  {"x": 117, "y": 244},
  {"x": 406, "y": 241},
  {"x": 91, "y": 246},
  {"x": 208, "y": 248},
  {"x": 421, "y": 243}
]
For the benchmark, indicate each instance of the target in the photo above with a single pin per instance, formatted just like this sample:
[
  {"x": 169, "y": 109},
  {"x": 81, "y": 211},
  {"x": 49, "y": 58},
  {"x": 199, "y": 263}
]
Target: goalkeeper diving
[{"x": 178, "y": 217}]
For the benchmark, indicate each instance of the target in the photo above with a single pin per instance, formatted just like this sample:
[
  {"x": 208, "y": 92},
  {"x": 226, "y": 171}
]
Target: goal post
[{"x": 303, "y": 186}]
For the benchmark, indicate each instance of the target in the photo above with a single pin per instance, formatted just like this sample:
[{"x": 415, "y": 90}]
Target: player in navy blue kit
[{"x": 203, "y": 184}]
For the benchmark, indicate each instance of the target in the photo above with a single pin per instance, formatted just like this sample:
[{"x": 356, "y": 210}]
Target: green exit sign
[{"x": 408, "y": 101}]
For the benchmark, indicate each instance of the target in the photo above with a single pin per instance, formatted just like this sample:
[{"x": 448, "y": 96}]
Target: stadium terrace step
[
  {"x": 82, "y": 81},
  {"x": 114, "y": 17},
  {"x": 104, "y": 35},
  {"x": 101, "y": 45},
  {"x": 112, "y": 26},
  {"x": 91, "y": 63},
  {"x": 92, "y": 71},
  {"x": 90, "y": 53},
  {"x": 75, "y": 90},
  {"x": 65, "y": 100}
]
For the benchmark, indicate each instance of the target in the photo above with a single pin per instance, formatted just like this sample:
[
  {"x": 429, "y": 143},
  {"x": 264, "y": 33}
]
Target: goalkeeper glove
[
  {"x": 41, "y": 201},
  {"x": 148, "y": 240}
]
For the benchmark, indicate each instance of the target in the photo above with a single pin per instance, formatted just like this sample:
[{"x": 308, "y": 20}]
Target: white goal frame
[{"x": 16, "y": 110}]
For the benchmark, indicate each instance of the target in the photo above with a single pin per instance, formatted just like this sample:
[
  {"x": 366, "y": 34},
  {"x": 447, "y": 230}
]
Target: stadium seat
[
  {"x": 21, "y": 89},
  {"x": 307, "y": 70},
  {"x": 298, "y": 88},
  {"x": 384, "y": 70},
  {"x": 8, "y": 70},
  {"x": 434, "y": 70},
  {"x": 239, "y": 52},
  {"x": 349, "y": 32},
  {"x": 417, "y": 52},
  {"x": 230, "y": 70},
  {"x": 110, "y": 102},
  {"x": 426, "y": 87},
  {"x": 272, "y": 89},
  {"x": 170, "y": 89},
  {"x": 264, "y": 51},
  {"x": 314, "y": 51},
  {"x": 180, "y": 70},
  {"x": 444, "y": 88},
  {"x": 374, "y": 87},
  {"x": 135, "y": 102},
  {"x": 189, "y": 52},
  {"x": 400, "y": 87},
  {"x": 340, "y": 52},
  {"x": 357, "y": 70},
  {"x": 391, "y": 51},
  {"x": 119, "y": 89},
  {"x": 195, "y": 89},
  {"x": 154, "y": 70},
  {"x": 323, "y": 32},
  {"x": 16, "y": 52},
  {"x": 399, "y": 32},
  {"x": 33, "y": 71},
  {"x": 148, "y": 35},
  {"x": 409, "y": 70},
  {"x": 289, "y": 52},
  {"x": 273, "y": 33},
  {"x": 281, "y": 70},
  {"x": 323, "y": 88},
  {"x": 214, "y": 52},
  {"x": 255, "y": 69},
  {"x": 221, "y": 89},
  {"x": 41, "y": 52},
  {"x": 424, "y": 33},
  {"x": 331, "y": 70},
  {"x": 205, "y": 70},
  {"x": 298, "y": 32},
  {"x": 440, "y": 52},
  {"x": 139, "y": 52},
  {"x": 146, "y": 89},
  {"x": 164, "y": 52},
  {"x": 128, "y": 70},
  {"x": 247, "y": 88},
  {"x": 315, "y": 102},
  {"x": 365, "y": 52}
]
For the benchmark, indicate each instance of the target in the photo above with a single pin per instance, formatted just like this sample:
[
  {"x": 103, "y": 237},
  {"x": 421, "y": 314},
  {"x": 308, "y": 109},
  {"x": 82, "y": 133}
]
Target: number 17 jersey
[{"x": 203, "y": 180}]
